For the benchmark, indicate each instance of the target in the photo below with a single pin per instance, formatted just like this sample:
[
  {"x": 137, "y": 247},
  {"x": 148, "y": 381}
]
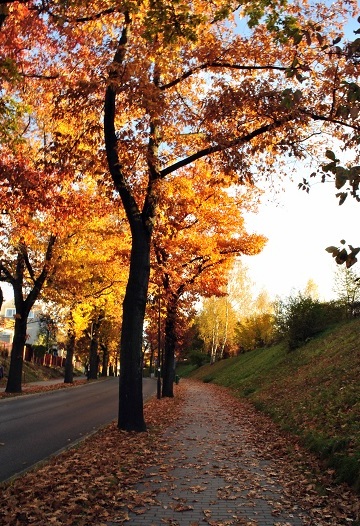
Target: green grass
[
  {"x": 313, "y": 392},
  {"x": 185, "y": 369}
]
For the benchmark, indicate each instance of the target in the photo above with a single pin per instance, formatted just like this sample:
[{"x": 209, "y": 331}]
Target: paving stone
[{"x": 211, "y": 476}]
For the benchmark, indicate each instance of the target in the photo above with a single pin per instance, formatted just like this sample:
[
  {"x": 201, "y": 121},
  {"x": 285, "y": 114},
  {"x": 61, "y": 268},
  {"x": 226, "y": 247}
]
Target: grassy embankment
[
  {"x": 313, "y": 392},
  {"x": 32, "y": 373}
]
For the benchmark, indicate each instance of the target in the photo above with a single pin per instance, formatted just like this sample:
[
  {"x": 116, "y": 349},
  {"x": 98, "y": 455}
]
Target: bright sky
[{"x": 299, "y": 229}]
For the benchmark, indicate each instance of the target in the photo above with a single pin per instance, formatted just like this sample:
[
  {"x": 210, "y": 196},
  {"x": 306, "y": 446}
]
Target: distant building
[
  {"x": 7, "y": 322},
  {"x": 54, "y": 354}
]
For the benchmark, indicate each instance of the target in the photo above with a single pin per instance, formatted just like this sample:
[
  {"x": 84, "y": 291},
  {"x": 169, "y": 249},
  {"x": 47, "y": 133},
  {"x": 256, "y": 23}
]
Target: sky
[{"x": 299, "y": 227}]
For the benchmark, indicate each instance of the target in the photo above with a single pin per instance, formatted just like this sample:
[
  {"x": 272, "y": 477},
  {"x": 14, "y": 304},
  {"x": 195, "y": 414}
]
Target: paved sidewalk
[
  {"x": 211, "y": 475},
  {"x": 54, "y": 381}
]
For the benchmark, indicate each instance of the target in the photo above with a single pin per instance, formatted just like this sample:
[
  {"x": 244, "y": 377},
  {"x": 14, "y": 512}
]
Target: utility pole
[{"x": 159, "y": 349}]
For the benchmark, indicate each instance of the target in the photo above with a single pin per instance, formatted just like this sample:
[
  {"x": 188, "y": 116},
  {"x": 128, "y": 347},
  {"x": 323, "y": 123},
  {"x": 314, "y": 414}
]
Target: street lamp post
[{"x": 159, "y": 350}]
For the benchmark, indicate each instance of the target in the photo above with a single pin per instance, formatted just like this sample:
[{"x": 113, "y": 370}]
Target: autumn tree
[
  {"x": 256, "y": 328},
  {"x": 217, "y": 323},
  {"x": 346, "y": 176},
  {"x": 28, "y": 238},
  {"x": 33, "y": 243},
  {"x": 89, "y": 281},
  {"x": 44, "y": 178},
  {"x": 42, "y": 200},
  {"x": 185, "y": 82},
  {"x": 194, "y": 245},
  {"x": 311, "y": 290},
  {"x": 218, "y": 317},
  {"x": 240, "y": 288},
  {"x": 234, "y": 104},
  {"x": 347, "y": 288}
]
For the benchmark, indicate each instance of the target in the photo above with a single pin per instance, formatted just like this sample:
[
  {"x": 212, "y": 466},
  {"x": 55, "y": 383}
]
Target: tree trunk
[
  {"x": 152, "y": 354},
  {"x": 225, "y": 335},
  {"x": 213, "y": 349},
  {"x": 94, "y": 346},
  {"x": 23, "y": 308},
  {"x": 131, "y": 415},
  {"x": 17, "y": 352},
  {"x": 169, "y": 355},
  {"x": 93, "y": 358},
  {"x": 105, "y": 360},
  {"x": 69, "y": 367}
]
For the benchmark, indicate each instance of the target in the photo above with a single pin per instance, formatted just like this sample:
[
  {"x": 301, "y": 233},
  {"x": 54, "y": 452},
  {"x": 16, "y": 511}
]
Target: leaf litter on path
[{"x": 115, "y": 476}]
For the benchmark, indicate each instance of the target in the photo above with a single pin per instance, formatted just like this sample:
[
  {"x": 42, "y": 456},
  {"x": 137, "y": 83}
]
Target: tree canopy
[{"x": 138, "y": 93}]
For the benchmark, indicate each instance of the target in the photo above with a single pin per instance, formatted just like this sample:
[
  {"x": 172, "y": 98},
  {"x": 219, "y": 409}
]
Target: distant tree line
[{"x": 293, "y": 320}]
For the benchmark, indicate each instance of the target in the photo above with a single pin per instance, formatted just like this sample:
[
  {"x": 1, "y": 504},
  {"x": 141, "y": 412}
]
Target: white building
[{"x": 7, "y": 322}]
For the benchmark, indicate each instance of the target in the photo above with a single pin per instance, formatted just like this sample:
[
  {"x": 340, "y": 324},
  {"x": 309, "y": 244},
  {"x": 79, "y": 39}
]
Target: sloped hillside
[{"x": 32, "y": 372}]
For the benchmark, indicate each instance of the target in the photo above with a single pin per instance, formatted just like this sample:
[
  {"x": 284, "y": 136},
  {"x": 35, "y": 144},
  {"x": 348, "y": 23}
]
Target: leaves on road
[{"x": 35, "y": 389}]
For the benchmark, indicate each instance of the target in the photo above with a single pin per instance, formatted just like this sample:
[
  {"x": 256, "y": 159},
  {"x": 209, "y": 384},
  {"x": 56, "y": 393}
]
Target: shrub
[
  {"x": 198, "y": 358},
  {"x": 299, "y": 318}
]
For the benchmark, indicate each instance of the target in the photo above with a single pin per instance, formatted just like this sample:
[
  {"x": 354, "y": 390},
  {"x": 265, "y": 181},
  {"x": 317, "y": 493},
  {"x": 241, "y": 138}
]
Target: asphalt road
[{"x": 34, "y": 427}]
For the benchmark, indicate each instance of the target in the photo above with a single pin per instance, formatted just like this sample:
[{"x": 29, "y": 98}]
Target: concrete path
[{"x": 210, "y": 473}]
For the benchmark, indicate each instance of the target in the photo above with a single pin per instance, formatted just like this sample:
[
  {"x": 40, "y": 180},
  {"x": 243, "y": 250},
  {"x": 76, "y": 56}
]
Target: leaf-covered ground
[
  {"x": 97, "y": 482},
  {"x": 314, "y": 392},
  {"x": 35, "y": 389}
]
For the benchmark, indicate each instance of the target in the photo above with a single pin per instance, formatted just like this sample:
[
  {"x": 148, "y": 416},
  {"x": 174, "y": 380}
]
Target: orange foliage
[{"x": 199, "y": 230}]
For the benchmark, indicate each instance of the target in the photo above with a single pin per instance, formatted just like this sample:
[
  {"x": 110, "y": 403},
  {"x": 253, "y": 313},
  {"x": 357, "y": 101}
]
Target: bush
[
  {"x": 198, "y": 358},
  {"x": 300, "y": 317}
]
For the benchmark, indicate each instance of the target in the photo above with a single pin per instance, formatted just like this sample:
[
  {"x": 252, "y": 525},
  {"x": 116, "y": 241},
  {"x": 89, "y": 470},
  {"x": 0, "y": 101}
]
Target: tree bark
[
  {"x": 225, "y": 335},
  {"x": 131, "y": 414},
  {"x": 23, "y": 307},
  {"x": 69, "y": 367},
  {"x": 169, "y": 354},
  {"x": 152, "y": 354},
  {"x": 93, "y": 353},
  {"x": 105, "y": 360},
  {"x": 17, "y": 352}
]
